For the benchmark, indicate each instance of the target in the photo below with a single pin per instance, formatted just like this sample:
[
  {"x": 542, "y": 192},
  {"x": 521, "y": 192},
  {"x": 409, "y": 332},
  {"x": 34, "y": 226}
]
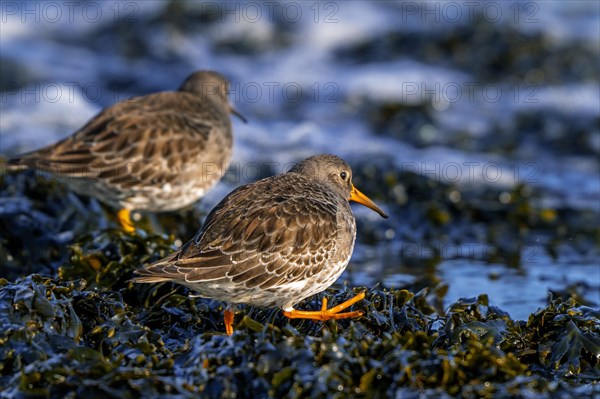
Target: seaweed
[
  {"x": 67, "y": 338},
  {"x": 80, "y": 327}
]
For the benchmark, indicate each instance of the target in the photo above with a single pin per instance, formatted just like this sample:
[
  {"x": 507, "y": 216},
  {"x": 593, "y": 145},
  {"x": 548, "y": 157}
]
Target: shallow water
[
  {"x": 520, "y": 293},
  {"x": 481, "y": 103}
]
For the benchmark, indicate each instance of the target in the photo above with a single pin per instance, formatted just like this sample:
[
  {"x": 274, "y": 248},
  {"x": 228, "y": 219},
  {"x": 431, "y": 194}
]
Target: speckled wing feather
[
  {"x": 260, "y": 235},
  {"x": 123, "y": 143}
]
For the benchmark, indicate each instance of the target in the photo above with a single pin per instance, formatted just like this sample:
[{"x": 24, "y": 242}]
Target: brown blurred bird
[
  {"x": 159, "y": 152},
  {"x": 274, "y": 242}
]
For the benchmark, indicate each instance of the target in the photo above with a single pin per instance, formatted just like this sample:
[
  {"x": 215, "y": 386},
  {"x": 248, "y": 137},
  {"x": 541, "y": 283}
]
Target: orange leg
[
  {"x": 124, "y": 216},
  {"x": 228, "y": 318},
  {"x": 326, "y": 314}
]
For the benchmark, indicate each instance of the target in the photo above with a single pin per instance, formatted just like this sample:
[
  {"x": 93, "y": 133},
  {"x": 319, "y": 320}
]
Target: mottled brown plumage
[
  {"x": 158, "y": 152},
  {"x": 273, "y": 242}
]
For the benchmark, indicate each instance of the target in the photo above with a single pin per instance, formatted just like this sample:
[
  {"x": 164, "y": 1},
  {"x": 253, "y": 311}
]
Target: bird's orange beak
[
  {"x": 359, "y": 197},
  {"x": 236, "y": 113}
]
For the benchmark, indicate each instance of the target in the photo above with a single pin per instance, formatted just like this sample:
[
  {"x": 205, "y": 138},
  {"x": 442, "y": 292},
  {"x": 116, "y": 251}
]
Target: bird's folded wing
[{"x": 256, "y": 244}]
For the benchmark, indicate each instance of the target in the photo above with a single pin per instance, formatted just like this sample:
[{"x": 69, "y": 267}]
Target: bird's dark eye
[{"x": 343, "y": 175}]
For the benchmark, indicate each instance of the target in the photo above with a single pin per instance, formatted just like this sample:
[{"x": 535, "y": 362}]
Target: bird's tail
[
  {"x": 153, "y": 273},
  {"x": 149, "y": 278},
  {"x": 15, "y": 164},
  {"x": 27, "y": 160}
]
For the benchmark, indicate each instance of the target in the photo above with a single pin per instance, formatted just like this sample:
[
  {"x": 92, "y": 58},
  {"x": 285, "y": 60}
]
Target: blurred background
[{"x": 474, "y": 124}]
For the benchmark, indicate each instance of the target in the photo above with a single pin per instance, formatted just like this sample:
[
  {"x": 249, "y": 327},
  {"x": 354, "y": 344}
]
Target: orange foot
[
  {"x": 124, "y": 216},
  {"x": 326, "y": 314},
  {"x": 228, "y": 318}
]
